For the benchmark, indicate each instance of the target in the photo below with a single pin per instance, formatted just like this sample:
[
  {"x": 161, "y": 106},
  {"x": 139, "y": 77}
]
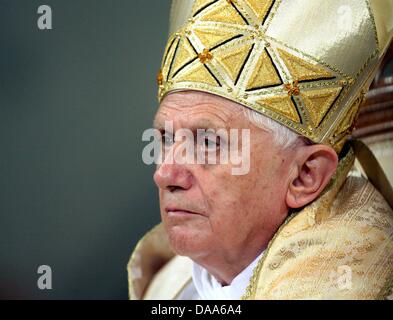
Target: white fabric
[{"x": 205, "y": 287}]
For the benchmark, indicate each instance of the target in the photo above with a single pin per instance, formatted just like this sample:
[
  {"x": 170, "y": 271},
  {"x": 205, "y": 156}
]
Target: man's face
[{"x": 206, "y": 210}]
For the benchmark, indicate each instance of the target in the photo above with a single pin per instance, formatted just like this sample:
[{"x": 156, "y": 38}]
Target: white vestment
[{"x": 205, "y": 287}]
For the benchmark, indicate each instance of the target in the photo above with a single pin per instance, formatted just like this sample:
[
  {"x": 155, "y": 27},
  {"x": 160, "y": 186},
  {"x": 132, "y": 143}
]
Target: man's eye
[
  {"x": 167, "y": 140},
  {"x": 212, "y": 143}
]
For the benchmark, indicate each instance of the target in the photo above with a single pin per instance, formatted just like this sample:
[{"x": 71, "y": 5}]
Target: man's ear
[{"x": 315, "y": 165}]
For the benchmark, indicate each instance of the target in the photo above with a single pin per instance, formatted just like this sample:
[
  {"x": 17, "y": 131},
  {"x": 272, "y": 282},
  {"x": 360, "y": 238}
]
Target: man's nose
[{"x": 173, "y": 176}]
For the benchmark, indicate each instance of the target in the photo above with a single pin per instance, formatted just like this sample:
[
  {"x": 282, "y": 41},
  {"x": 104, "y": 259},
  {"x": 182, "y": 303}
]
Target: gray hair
[{"x": 282, "y": 136}]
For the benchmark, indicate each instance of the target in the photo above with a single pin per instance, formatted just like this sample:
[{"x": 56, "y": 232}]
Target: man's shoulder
[{"x": 339, "y": 247}]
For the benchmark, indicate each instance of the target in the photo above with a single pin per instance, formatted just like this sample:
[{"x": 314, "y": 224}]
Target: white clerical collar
[{"x": 209, "y": 288}]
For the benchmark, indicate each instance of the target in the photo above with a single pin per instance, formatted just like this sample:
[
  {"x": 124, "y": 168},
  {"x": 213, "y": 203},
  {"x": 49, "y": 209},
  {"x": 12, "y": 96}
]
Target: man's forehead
[{"x": 199, "y": 110}]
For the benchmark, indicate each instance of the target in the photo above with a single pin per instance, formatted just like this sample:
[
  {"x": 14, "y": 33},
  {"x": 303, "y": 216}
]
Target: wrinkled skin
[{"x": 230, "y": 218}]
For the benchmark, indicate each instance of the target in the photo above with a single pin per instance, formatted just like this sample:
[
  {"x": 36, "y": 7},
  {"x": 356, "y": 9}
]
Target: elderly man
[{"x": 300, "y": 223}]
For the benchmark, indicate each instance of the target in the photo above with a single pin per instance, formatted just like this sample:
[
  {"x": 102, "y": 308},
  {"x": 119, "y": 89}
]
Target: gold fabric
[
  {"x": 350, "y": 227},
  {"x": 151, "y": 253},
  {"x": 305, "y": 64}
]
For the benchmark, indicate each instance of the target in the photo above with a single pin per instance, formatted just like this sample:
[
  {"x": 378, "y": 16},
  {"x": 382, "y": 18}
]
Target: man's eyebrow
[
  {"x": 206, "y": 123},
  {"x": 202, "y": 123}
]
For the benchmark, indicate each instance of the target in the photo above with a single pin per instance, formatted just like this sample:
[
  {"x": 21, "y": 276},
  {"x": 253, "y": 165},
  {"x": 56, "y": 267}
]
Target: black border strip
[
  {"x": 212, "y": 74},
  {"x": 244, "y": 64},
  {"x": 274, "y": 66},
  {"x": 173, "y": 59},
  {"x": 226, "y": 41},
  {"x": 265, "y": 87},
  {"x": 331, "y": 106},
  {"x": 238, "y": 11},
  {"x": 317, "y": 79},
  {"x": 182, "y": 67},
  {"x": 192, "y": 46},
  {"x": 297, "y": 109},
  {"x": 203, "y": 8},
  {"x": 189, "y": 62},
  {"x": 268, "y": 12},
  {"x": 278, "y": 73},
  {"x": 169, "y": 49}
]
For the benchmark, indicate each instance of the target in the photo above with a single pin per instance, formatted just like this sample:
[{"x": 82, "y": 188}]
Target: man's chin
[{"x": 185, "y": 242}]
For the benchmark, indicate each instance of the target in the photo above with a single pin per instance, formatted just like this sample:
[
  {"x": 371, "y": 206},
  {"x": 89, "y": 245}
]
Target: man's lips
[{"x": 176, "y": 210}]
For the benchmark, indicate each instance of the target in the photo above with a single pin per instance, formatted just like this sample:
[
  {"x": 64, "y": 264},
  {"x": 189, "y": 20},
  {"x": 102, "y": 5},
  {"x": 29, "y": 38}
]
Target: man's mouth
[{"x": 180, "y": 211}]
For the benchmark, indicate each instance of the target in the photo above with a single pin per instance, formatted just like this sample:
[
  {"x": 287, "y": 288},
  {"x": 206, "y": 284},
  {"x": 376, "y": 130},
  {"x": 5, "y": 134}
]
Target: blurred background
[{"x": 74, "y": 101}]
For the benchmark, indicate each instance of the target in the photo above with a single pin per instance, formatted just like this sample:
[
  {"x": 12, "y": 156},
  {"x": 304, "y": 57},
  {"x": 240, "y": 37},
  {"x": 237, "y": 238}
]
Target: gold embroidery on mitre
[
  {"x": 292, "y": 88},
  {"x": 264, "y": 74},
  {"x": 169, "y": 57},
  {"x": 260, "y": 8},
  {"x": 222, "y": 12},
  {"x": 282, "y": 105},
  {"x": 200, "y": 5},
  {"x": 301, "y": 69},
  {"x": 184, "y": 54},
  {"x": 213, "y": 37},
  {"x": 233, "y": 60},
  {"x": 205, "y": 56},
  {"x": 346, "y": 125},
  {"x": 160, "y": 78},
  {"x": 221, "y": 26},
  {"x": 318, "y": 102},
  {"x": 196, "y": 72},
  {"x": 348, "y": 121}
]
